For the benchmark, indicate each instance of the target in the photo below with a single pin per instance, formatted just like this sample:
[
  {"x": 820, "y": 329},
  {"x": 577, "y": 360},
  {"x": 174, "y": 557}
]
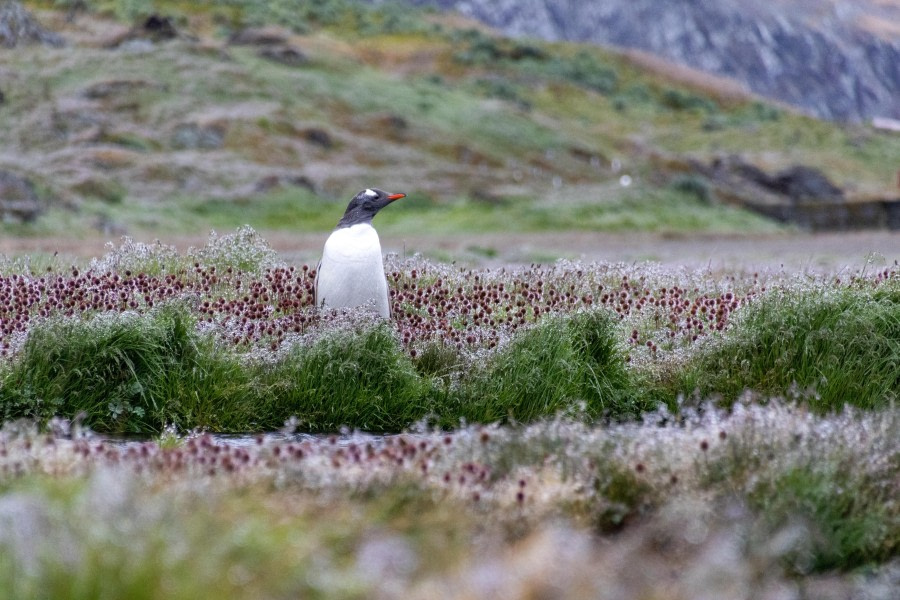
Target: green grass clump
[
  {"x": 829, "y": 488},
  {"x": 627, "y": 496},
  {"x": 361, "y": 379},
  {"x": 832, "y": 346},
  {"x": 851, "y": 520},
  {"x": 827, "y": 346},
  {"x": 170, "y": 543},
  {"x": 564, "y": 364},
  {"x": 124, "y": 373},
  {"x": 139, "y": 373},
  {"x": 585, "y": 69}
]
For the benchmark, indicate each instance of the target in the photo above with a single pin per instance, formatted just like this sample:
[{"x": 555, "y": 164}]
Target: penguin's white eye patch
[{"x": 370, "y": 193}]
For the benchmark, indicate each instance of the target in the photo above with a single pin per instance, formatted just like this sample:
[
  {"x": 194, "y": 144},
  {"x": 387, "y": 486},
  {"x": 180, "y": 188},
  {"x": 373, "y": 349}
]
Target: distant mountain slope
[
  {"x": 837, "y": 59},
  {"x": 186, "y": 119}
]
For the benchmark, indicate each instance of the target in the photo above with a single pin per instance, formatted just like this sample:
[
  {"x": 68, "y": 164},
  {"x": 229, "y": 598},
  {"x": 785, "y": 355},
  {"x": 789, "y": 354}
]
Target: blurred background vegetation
[{"x": 171, "y": 117}]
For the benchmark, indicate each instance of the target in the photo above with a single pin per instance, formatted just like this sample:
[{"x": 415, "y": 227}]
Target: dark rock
[
  {"x": 797, "y": 183},
  {"x": 18, "y": 26},
  {"x": 158, "y": 28},
  {"x": 805, "y": 183},
  {"x": 751, "y": 173},
  {"x": 593, "y": 158},
  {"x": 799, "y": 195},
  {"x": 285, "y": 54},
  {"x": 843, "y": 216},
  {"x": 2, "y": 97},
  {"x": 319, "y": 137},
  {"x": 19, "y": 202},
  {"x": 142, "y": 37},
  {"x": 892, "y": 214}
]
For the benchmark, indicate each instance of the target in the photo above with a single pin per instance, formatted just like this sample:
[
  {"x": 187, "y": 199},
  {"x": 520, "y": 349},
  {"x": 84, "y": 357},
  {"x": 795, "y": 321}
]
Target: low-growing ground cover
[
  {"x": 571, "y": 430},
  {"x": 759, "y": 501},
  {"x": 225, "y": 338}
]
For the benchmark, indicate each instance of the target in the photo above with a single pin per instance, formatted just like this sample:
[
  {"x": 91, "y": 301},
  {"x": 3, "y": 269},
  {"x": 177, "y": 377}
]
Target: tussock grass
[
  {"x": 564, "y": 364},
  {"x": 225, "y": 338},
  {"x": 137, "y": 373},
  {"x": 850, "y": 528},
  {"x": 360, "y": 379},
  {"x": 126, "y": 373},
  {"x": 829, "y": 346}
]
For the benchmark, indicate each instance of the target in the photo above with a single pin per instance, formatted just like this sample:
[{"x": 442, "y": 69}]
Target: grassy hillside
[{"x": 124, "y": 132}]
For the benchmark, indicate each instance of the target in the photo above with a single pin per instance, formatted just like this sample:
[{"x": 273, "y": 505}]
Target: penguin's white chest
[{"x": 351, "y": 273}]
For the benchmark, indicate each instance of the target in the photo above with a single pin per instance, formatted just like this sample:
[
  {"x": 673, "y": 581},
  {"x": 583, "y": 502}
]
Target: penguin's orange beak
[{"x": 393, "y": 197}]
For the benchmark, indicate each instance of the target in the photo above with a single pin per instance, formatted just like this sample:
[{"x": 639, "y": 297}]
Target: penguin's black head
[{"x": 365, "y": 205}]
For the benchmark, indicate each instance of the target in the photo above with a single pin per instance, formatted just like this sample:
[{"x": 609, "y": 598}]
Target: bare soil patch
[{"x": 818, "y": 252}]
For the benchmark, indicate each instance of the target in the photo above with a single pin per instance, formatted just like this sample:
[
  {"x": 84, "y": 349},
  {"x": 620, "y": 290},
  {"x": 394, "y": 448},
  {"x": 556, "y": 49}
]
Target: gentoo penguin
[{"x": 351, "y": 272}]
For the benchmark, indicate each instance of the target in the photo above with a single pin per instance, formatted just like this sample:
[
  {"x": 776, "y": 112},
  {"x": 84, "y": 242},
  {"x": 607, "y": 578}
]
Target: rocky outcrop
[
  {"x": 153, "y": 29},
  {"x": 19, "y": 202},
  {"x": 273, "y": 43},
  {"x": 829, "y": 59},
  {"x": 799, "y": 195}
]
